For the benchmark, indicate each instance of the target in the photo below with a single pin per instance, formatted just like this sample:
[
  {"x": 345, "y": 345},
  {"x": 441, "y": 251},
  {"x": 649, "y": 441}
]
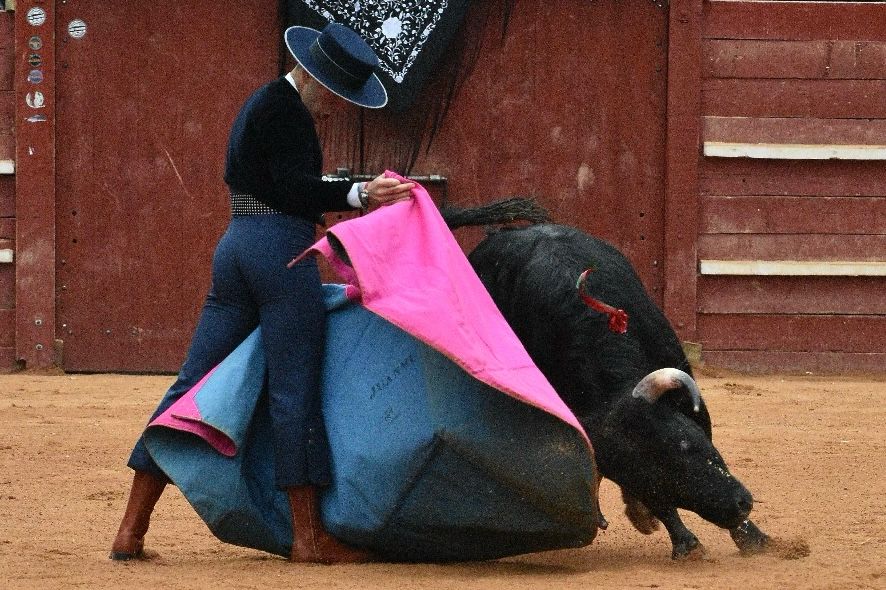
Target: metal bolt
[
  {"x": 38, "y": 322},
  {"x": 39, "y": 347}
]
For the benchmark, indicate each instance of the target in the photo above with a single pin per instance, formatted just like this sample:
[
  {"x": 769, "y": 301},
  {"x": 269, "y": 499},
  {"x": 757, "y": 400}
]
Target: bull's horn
[{"x": 657, "y": 383}]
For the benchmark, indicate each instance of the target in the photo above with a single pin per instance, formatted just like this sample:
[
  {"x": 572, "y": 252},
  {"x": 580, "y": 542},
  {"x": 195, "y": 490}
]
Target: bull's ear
[{"x": 657, "y": 383}]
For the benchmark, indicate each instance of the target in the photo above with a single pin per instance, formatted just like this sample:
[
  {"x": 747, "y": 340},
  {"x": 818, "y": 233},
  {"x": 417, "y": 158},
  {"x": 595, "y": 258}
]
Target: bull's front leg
[
  {"x": 749, "y": 539},
  {"x": 686, "y": 544}
]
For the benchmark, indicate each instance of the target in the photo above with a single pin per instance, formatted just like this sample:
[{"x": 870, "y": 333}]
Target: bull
[{"x": 633, "y": 392}]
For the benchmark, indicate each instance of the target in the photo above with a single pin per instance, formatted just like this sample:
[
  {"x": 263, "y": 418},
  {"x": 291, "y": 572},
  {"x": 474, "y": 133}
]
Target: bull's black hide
[{"x": 656, "y": 447}]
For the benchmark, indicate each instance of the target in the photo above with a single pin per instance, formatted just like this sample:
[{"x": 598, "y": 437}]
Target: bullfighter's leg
[
  {"x": 310, "y": 541},
  {"x": 130, "y": 540},
  {"x": 228, "y": 316},
  {"x": 293, "y": 332}
]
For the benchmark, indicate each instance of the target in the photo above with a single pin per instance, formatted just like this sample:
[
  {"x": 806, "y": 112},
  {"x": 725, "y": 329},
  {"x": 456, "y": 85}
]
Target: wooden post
[
  {"x": 683, "y": 154},
  {"x": 35, "y": 183}
]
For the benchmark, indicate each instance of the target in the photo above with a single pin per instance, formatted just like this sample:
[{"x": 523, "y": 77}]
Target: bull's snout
[
  {"x": 740, "y": 507},
  {"x": 733, "y": 509},
  {"x": 744, "y": 503}
]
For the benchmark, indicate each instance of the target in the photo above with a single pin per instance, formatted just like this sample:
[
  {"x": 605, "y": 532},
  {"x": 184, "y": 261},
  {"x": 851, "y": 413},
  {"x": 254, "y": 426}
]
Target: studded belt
[{"x": 249, "y": 205}]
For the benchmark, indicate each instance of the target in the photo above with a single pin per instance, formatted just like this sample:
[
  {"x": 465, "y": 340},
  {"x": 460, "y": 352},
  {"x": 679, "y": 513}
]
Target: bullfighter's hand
[{"x": 385, "y": 191}]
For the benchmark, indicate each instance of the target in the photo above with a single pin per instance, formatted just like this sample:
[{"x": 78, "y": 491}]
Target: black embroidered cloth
[{"x": 409, "y": 36}]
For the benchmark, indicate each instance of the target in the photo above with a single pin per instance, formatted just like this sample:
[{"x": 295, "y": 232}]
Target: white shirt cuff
[{"x": 354, "y": 195}]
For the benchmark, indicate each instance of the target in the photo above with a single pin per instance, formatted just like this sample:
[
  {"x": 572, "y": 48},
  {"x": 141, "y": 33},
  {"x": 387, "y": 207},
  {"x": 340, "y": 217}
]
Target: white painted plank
[
  {"x": 7, "y": 166},
  {"x": 6, "y": 255},
  {"x": 802, "y": 268},
  {"x": 789, "y": 151}
]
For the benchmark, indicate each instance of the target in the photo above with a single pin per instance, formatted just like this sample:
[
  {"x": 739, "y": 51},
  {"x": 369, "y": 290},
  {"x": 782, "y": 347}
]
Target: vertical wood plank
[
  {"x": 7, "y": 196},
  {"x": 7, "y": 48},
  {"x": 7, "y": 116},
  {"x": 7, "y": 336},
  {"x": 35, "y": 189},
  {"x": 683, "y": 153},
  {"x": 7, "y": 189}
]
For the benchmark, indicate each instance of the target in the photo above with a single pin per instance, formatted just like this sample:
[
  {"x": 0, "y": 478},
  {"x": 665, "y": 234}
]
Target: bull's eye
[{"x": 684, "y": 445}]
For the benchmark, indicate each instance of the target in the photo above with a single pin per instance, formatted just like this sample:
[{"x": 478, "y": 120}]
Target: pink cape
[
  {"x": 462, "y": 473},
  {"x": 409, "y": 269}
]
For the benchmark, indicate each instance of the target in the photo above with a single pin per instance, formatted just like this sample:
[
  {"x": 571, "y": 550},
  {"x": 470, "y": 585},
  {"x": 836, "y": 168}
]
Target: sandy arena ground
[{"x": 811, "y": 449}]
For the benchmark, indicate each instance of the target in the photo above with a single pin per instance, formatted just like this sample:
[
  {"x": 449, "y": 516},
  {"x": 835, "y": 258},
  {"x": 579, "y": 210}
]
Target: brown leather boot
[
  {"x": 310, "y": 542},
  {"x": 130, "y": 540}
]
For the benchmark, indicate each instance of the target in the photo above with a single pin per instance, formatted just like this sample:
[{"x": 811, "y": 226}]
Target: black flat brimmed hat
[{"x": 341, "y": 61}]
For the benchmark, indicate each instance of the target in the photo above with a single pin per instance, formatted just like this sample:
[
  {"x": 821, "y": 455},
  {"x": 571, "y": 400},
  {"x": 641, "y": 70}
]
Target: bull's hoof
[
  {"x": 749, "y": 539},
  {"x": 688, "y": 550}
]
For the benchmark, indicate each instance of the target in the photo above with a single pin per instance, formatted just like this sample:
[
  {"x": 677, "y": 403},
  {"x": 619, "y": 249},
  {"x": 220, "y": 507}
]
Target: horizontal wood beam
[
  {"x": 775, "y": 151},
  {"x": 797, "y": 21},
  {"x": 787, "y": 138},
  {"x": 847, "y": 99},
  {"x": 798, "y": 333},
  {"x": 824, "y": 178},
  {"x": 7, "y": 166},
  {"x": 769, "y": 214},
  {"x": 791, "y": 295},
  {"x": 795, "y": 131},
  {"x": 800, "y": 247},
  {"x": 773, "y": 361},
  {"x": 829, "y": 60},
  {"x": 793, "y": 268}
]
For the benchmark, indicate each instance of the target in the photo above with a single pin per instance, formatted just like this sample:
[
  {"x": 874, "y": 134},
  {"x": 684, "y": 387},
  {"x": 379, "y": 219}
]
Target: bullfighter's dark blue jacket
[{"x": 274, "y": 155}]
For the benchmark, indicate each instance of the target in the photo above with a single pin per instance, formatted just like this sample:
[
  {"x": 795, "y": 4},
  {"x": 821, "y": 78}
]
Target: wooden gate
[
  {"x": 567, "y": 103},
  {"x": 145, "y": 98},
  {"x": 120, "y": 184}
]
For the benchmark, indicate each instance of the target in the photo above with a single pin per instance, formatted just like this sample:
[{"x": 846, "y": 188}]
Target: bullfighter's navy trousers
[{"x": 251, "y": 286}]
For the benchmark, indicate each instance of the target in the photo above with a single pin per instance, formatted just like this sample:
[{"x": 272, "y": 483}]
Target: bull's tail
[{"x": 502, "y": 211}]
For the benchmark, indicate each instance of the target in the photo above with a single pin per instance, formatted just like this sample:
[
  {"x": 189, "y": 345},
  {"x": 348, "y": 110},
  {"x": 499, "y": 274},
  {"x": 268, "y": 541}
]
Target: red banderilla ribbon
[{"x": 618, "y": 318}]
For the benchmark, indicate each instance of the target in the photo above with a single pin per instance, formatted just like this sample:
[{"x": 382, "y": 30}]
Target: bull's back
[
  {"x": 535, "y": 269},
  {"x": 531, "y": 274}
]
